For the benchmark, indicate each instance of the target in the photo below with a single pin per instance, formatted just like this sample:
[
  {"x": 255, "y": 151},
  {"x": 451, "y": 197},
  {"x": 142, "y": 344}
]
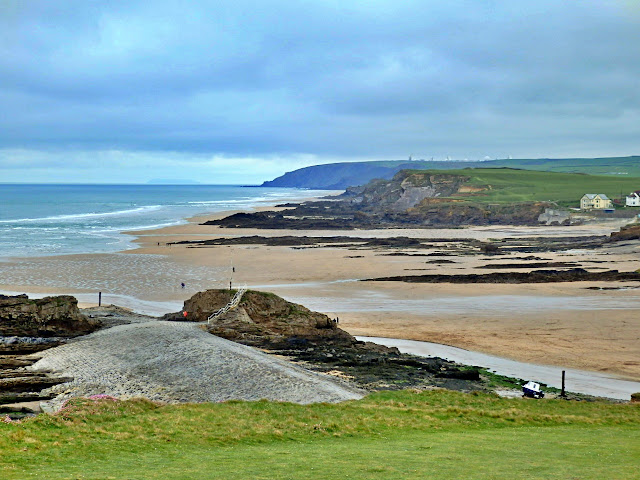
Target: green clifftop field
[
  {"x": 346, "y": 174},
  {"x": 507, "y": 185},
  {"x": 406, "y": 434}
]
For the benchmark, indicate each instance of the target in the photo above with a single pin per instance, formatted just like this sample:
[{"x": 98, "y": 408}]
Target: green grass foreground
[{"x": 387, "y": 435}]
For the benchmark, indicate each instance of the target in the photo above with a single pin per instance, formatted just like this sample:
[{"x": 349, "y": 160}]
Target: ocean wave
[
  {"x": 42, "y": 228},
  {"x": 267, "y": 197},
  {"x": 36, "y": 228},
  {"x": 226, "y": 202},
  {"x": 84, "y": 216},
  {"x": 127, "y": 228},
  {"x": 256, "y": 200}
]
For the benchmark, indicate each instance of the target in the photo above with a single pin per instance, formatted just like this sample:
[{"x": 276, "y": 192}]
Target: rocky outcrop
[
  {"x": 536, "y": 276},
  {"x": 412, "y": 198},
  {"x": 262, "y": 319},
  {"x": 294, "y": 332},
  {"x": 44, "y": 317},
  {"x": 553, "y": 216},
  {"x": 408, "y": 188},
  {"x": 28, "y": 326},
  {"x": 295, "y": 219},
  {"x": 440, "y": 213},
  {"x": 630, "y": 232},
  {"x": 303, "y": 241}
]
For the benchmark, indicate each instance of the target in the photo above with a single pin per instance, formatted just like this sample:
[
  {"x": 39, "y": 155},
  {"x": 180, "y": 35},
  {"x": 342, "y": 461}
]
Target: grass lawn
[{"x": 408, "y": 434}]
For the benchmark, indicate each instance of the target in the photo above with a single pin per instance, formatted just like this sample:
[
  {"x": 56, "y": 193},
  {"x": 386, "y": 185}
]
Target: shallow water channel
[{"x": 578, "y": 381}]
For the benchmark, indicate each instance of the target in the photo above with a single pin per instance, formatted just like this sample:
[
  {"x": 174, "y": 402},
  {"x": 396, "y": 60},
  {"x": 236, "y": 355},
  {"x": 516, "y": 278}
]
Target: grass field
[
  {"x": 622, "y": 166},
  {"x": 407, "y": 435},
  {"x": 506, "y": 185},
  {"x": 616, "y": 166}
]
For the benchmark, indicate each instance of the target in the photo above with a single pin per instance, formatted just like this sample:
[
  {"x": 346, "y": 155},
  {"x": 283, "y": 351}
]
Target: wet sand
[{"x": 566, "y": 325}]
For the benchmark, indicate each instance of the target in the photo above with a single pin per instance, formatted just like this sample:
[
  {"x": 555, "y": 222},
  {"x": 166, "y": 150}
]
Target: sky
[{"x": 243, "y": 91}]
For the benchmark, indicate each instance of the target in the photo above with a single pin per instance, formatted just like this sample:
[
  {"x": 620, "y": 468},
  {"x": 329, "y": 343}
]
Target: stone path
[{"x": 179, "y": 362}]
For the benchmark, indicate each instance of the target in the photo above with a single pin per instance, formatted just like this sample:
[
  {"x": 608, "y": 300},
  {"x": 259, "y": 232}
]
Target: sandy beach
[{"x": 576, "y": 325}]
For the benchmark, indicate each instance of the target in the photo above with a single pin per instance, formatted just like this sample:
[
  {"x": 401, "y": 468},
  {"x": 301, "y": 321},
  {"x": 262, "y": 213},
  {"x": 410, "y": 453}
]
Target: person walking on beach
[{"x": 182, "y": 285}]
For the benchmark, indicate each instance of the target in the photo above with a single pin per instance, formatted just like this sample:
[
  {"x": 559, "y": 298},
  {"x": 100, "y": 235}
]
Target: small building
[
  {"x": 633, "y": 199},
  {"x": 595, "y": 201}
]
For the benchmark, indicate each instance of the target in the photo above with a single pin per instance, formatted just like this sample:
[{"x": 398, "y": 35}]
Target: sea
[{"x": 53, "y": 219}]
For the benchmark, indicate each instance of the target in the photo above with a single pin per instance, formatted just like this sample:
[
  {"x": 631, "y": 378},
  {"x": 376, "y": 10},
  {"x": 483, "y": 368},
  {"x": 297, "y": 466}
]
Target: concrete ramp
[{"x": 179, "y": 362}]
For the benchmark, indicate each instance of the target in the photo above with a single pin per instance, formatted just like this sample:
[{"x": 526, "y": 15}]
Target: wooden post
[
  {"x": 99, "y": 299},
  {"x": 562, "y": 393}
]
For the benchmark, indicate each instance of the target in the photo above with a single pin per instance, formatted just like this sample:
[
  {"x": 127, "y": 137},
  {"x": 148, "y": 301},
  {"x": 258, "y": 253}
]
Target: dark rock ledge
[
  {"x": 29, "y": 326},
  {"x": 536, "y": 276}
]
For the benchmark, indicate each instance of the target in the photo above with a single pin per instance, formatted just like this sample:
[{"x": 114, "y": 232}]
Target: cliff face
[
  {"x": 262, "y": 319},
  {"x": 45, "y": 317},
  {"x": 337, "y": 176},
  {"x": 407, "y": 189}
]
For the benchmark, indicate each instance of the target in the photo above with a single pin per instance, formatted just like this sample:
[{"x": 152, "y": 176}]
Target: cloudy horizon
[{"x": 241, "y": 93}]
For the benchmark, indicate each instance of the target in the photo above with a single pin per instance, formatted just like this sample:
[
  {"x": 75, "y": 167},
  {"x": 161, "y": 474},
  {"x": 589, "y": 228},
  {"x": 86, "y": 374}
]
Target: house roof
[{"x": 591, "y": 196}]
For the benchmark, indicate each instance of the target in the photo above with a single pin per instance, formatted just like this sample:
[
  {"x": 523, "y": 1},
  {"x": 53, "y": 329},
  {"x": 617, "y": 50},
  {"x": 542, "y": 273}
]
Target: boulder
[{"x": 46, "y": 317}]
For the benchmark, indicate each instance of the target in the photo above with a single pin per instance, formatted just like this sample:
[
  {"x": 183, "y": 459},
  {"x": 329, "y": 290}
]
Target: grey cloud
[{"x": 336, "y": 79}]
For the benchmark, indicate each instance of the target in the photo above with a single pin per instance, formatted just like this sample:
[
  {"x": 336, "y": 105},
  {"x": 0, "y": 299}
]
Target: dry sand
[{"x": 557, "y": 324}]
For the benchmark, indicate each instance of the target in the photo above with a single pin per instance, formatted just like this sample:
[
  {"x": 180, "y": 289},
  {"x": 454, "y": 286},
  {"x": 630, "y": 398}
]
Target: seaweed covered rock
[
  {"x": 262, "y": 319},
  {"x": 45, "y": 317}
]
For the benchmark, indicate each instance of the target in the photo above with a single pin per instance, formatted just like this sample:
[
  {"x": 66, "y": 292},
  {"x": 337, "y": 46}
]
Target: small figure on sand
[{"x": 182, "y": 285}]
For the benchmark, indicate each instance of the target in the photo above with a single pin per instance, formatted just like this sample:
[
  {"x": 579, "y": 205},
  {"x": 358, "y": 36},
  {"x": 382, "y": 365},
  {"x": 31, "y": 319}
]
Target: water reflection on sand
[{"x": 485, "y": 305}]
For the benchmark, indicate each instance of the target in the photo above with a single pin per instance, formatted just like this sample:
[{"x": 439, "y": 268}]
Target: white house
[
  {"x": 633, "y": 199},
  {"x": 595, "y": 201}
]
